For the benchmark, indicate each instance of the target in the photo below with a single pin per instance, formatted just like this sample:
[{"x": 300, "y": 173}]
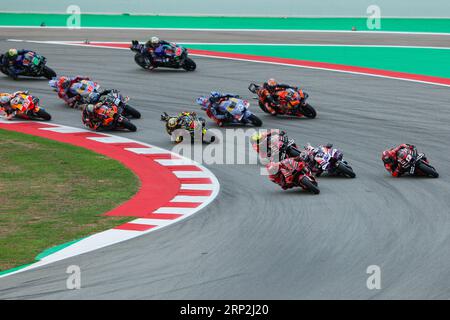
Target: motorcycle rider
[
  {"x": 215, "y": 105},
  {"x": 312, "y": 154},
  {"x": 269, "y": 93},
  {"x": 183, "y": 120},
  {"x": 9, "y": 101},
  {"x": 15, "y": 61},
  {"x": 94, "y": 115},
  {"x": 63, "y": 88},
  {"x": 390, "y": 159},
  {"x": 5, "y": 105},
  {"x": 270, "y": 144},
  {"x": 155, "y": 49},
  {"x": 283, "y": 172}
]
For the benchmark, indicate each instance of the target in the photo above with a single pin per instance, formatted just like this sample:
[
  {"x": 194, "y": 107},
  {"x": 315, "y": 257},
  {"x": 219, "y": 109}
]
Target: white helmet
[
  {"x": 90, "y": 108},
  {"x": 4, "y": 99},
  {"x": 154, "y": 40}
]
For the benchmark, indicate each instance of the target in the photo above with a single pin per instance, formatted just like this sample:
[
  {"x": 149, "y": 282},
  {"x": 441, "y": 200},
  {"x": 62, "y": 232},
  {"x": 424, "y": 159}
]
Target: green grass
[
  {"x": 154, "y": 21},
  {"x": 52, "y": 193}
]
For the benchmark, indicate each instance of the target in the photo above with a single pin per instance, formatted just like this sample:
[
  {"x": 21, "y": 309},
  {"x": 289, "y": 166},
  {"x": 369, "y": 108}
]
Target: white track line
[{"x": 235, "y": 30}]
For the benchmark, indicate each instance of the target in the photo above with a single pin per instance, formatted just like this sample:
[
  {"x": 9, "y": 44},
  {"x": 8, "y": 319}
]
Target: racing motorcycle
[
  {"x": 237, "y": 112},
  {"x": 193, "y": 128},
  {"x": 114, "y": 121},
  {"x": 88, "y": 91},
  {"x": 304, "y": 179},
  {"x": 415, "y": 163},
  {"x": 330, "y": 160},
  {"x": 35, "y": 66},
  {"x": 179, "y": 57},
  {"x": 82, "y": 90},
  {"x": 25, "y": 106},
  {"x": 116, "y": 98},
  {"x": 289, "y": 102}
]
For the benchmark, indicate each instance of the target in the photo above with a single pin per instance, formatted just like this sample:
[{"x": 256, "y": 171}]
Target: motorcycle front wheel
[
  {"x": 48, "y": 73},
  {"x": 129, "y": 110},
  {"x": 309, "y": 185},
  {"x": 428, "y": 170},
  {"x": 255, "y": 120},
  {"x": 128, "y": 125},
  {"x": 346, "y": 170},
  {"x": 308, "y": 111},
  {"x": 43, "y": 115},
  {"x": 189, "y": 64}
]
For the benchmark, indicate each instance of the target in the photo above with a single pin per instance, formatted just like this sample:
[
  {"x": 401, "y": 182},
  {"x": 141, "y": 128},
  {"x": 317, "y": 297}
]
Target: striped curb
[{"x": 172, "y": 187}]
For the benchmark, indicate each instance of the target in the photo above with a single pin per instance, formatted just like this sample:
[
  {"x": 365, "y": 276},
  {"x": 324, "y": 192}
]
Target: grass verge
[{"x": 51, "y": 193}]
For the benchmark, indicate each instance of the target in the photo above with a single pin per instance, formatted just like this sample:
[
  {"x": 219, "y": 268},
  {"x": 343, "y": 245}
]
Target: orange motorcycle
[
  {"x": 27, "y": 107},
  {"x": 287, "y": 102}
]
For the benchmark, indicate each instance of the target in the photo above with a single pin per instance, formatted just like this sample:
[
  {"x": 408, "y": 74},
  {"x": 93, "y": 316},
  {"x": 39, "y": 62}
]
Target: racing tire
[
  {"x": 345, "y": 170},
  {"x": 48, "y": 73},
  {"x": 263, "y": 107},
  {"x": 308, "y": 111},
  {"x": 128, "y": 125},
  {"x": 310, "y": 186},
  {"x": 44, "y": 115},
  {"x": 427, "y": 169},
  {"x": 140, "y": 61},
  {"x": 129, "y": 110},
  {"x": 189, "y": 64},
  {"x": 255, "y": 120}
]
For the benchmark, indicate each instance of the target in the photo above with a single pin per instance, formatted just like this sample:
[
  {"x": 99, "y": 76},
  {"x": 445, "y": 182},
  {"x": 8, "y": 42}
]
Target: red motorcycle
[
  {"x": 302, "y": 175},
  {"x": 288, "y": 102},
  {"x": 415, "y": 163}
]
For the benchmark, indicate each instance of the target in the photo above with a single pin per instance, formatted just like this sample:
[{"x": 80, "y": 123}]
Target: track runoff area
[{"x": 317, "y": 241}]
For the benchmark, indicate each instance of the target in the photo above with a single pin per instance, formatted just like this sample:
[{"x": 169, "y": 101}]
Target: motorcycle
[
  {"x": 82, "y": 90},
  {"x": 114, "y": 121},
  {"x": 415, "y": 163},
  {"x": 34, "y": 65},
  {"x": 237, "y": 112},
  {"x": 305, "y": 179},
  {"x": 178, "y": 60},
  {"x": 116, "y": 98},
  {"x": 289, "y": 102},
  {"x": 330, "y": 160},
  {"x": 193, "y": 128},
  {"x": 27, "y": 107}
]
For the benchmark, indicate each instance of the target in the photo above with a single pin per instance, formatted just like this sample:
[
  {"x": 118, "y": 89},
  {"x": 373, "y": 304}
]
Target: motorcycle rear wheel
[{"x": 309, "y": 185}]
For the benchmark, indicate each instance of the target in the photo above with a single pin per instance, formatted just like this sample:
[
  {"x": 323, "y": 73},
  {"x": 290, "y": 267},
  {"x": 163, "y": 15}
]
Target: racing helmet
[
  {"x": 214, "y": 94},
  {"x": 154, "y": 40},
  {"x": 271, "y": 83},
  {"x": 273, "y": 168},
  {"x": 90, "y": 108},
  {"x": 172, "y": 123},
  {"x": 402, "y": 154},
  {"x": 386, "y": 157},
  {"x": 64, "y": 82},
  {"x": 4, "y": 99},
  {"x": 12, "y": 53}
]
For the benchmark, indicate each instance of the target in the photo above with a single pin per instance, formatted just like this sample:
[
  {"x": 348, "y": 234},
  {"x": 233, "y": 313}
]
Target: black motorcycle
[
  {"x": 36, "y": 68},
  {"x": 179, "y": 60},
  {"x": 116, "y": 98}
]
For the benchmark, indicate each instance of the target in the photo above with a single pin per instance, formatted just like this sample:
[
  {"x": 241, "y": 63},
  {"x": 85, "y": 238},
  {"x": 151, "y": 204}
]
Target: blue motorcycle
[{"x": 236, "y": 111}]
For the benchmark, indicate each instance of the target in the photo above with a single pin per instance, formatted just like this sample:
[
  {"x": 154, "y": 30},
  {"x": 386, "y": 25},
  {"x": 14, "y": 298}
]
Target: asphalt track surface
[
  {"x": 256, "y": 241},
  {"x": 294, "y": 37}
]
